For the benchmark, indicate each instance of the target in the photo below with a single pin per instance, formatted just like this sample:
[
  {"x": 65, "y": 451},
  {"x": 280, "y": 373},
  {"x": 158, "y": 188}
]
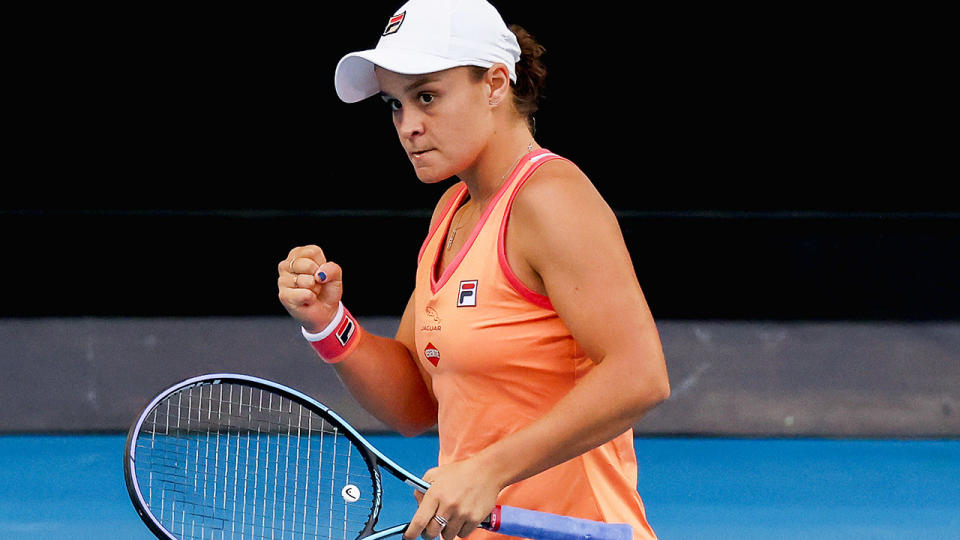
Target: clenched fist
[{"x": 310, "y": 287}]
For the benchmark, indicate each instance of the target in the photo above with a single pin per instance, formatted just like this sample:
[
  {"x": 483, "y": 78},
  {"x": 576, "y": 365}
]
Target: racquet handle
[{"x": 543, "y": 526}]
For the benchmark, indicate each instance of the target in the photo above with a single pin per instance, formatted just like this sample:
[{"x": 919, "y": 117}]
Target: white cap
[{"x": 425, "y": 36}]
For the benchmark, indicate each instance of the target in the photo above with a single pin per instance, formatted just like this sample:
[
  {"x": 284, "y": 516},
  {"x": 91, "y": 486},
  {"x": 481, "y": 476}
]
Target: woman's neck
[{"x": 495, "y": 162}]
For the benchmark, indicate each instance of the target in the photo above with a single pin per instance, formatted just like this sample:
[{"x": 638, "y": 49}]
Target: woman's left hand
[{"x": 461, "y": 493}]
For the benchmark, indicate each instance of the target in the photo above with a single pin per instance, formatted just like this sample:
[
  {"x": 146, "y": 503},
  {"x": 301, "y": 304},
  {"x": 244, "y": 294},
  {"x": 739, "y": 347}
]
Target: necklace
[
  {"x": 452, "y": 233},
  {"x": 529, "y": 149},
  {"x": 453, "y": 230}
]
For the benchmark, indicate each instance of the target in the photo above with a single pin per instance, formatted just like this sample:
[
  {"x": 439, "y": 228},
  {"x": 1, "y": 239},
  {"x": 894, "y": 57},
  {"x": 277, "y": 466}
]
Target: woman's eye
[{"x": 393, "y": 103}]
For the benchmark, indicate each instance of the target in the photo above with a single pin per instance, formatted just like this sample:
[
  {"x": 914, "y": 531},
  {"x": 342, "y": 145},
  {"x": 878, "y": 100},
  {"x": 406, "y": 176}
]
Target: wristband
[{"x": 338, "y": 339}]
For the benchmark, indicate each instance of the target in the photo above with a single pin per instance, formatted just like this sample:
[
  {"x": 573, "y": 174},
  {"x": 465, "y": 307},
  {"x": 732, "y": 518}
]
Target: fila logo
[
  {"x": 345, "y": 331},
  {"x": 394, "y": 24},
  {"x": 468, "y": 294},
  {"x": 432, "y": 354}
]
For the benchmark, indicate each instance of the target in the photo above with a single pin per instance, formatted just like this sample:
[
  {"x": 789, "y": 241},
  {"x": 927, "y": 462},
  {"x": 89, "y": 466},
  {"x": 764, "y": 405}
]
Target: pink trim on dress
[
  {"x": 440, "y": 221},
  {"x": 437, "y": 284},
  {"x": 521, "y": 289}
]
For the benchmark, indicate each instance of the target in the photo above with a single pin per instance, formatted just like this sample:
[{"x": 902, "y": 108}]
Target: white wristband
[
  {"x": 323, "y": 334},
  {"x": 338, "y": 339}
]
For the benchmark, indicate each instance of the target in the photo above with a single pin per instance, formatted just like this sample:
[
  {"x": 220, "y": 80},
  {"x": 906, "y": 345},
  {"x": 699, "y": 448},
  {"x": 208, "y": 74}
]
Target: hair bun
[{"x": 531, "y": 73}]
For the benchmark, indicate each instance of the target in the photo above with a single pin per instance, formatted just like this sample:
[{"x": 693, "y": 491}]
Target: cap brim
[{"x": 355, "y": 79}]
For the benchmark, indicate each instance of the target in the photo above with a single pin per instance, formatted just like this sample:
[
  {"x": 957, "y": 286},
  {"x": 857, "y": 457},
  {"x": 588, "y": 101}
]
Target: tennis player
[{"x": 527, "y": 340}]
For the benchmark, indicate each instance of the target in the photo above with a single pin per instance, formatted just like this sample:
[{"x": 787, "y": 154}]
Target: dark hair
[{"x": 531, "y": 75}]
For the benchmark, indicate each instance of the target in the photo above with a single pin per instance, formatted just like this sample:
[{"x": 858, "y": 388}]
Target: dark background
[{"x": 773, "y": 164}]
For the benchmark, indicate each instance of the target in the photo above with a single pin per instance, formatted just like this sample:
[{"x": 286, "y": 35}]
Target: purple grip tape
[{"x": 543, "y": 526}]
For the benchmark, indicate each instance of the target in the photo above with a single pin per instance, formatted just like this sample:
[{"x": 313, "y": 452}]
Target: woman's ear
[{"x": 497, "y": 79}]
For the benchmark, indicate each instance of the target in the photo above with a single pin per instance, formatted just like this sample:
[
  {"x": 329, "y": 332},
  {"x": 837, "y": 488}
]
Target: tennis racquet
[{"x": 229, "y": 456}]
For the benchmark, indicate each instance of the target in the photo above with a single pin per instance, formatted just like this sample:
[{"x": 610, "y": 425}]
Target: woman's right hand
[{"x": 310, "y": 287}]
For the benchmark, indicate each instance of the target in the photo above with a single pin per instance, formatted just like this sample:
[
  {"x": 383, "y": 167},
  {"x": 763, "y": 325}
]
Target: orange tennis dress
[{"x": 500, "y": 357}]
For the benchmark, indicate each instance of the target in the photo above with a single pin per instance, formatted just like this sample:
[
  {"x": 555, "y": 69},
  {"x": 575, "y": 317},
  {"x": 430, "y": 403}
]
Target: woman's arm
[
  {"x": 564, "y": 240},
  {"x": 569, "y": 246},
  {"x": 382, "y": 374}
]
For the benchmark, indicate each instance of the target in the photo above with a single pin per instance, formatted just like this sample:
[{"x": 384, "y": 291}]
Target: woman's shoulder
[
  {"x": 558, "y": 184},
  {"x": 556, "y": 218},
  {"x": 560, "y": 169}
]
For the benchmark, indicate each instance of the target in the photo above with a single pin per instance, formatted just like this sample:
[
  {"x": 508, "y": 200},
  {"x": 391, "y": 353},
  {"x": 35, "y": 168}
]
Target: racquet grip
[{"x": 543, "y": 526}]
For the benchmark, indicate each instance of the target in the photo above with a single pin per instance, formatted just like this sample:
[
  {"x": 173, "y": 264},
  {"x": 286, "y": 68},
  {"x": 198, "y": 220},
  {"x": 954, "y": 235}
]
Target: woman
[{"x": 529, "y": 346}]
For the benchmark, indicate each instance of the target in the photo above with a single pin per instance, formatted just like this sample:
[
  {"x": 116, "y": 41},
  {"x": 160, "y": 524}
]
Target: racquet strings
[{"x": 226, "y": 461}]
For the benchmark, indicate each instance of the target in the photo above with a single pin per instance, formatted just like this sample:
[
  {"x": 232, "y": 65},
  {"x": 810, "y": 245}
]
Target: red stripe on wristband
[{"x": 341, "y": 341}]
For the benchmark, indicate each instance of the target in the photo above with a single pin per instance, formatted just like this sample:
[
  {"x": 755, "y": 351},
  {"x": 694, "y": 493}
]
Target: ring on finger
[
  {"x": 295, "y": 277},
  {"x": 441, "y": 520}
]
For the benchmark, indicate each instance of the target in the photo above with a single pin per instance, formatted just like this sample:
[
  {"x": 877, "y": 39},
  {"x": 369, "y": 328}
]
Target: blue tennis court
[{"x": 54, "y": 487}]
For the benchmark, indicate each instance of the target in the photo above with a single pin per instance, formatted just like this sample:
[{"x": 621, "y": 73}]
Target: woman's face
[{"x": 443, "y": 119}]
